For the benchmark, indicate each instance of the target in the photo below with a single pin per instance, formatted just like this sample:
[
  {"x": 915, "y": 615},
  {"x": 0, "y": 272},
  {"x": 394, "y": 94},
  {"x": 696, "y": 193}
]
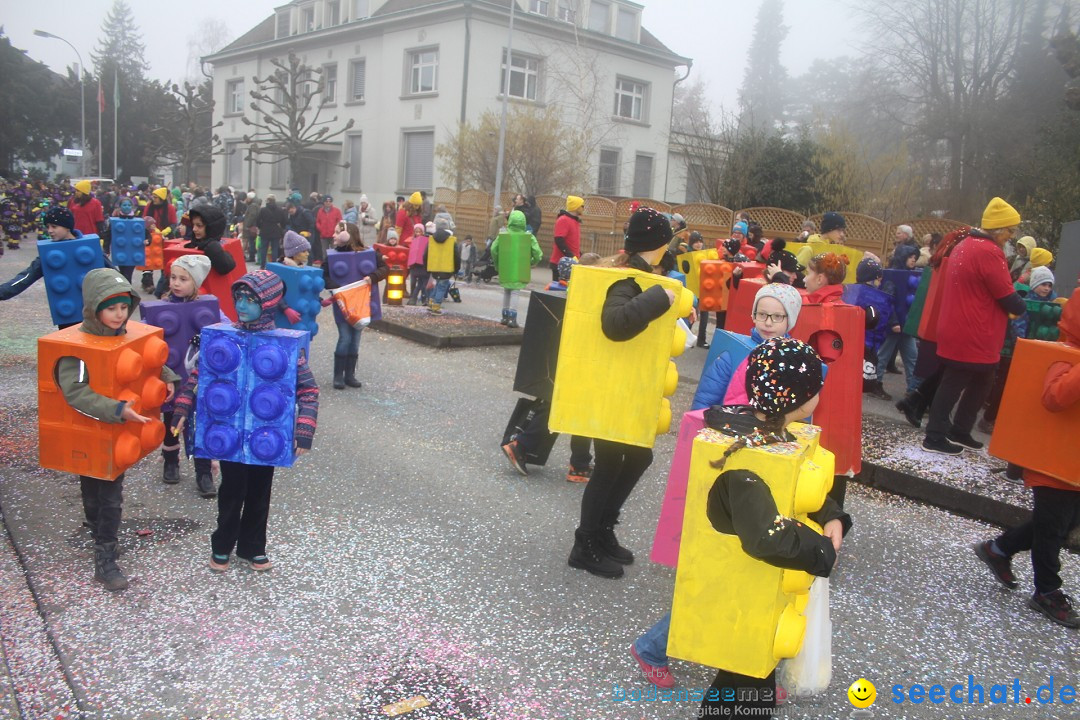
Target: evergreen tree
[{"x": 761, "y": 97}]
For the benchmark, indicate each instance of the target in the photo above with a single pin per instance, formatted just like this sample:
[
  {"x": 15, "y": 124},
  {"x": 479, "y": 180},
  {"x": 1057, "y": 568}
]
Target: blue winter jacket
[{"x": 716, "y": 378}]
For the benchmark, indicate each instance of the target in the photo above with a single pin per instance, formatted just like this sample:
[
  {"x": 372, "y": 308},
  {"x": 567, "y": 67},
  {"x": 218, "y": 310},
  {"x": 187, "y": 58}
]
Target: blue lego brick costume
[
  {"x": 128, "y": 241},
  {"x": 246, "y": 404},
  {"x": 64, "y": 264},
  {"x": 302, "y": 288},
  {"x": 348, "y": 267}
]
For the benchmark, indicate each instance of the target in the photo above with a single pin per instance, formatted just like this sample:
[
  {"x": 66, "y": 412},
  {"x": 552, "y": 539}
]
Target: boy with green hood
[
  {"x": 515, "y": 252},
  {"x": 108, "y": 302}
]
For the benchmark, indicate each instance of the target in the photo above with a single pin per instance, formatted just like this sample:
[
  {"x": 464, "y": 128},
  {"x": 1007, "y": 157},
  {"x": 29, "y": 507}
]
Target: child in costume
[
  {"x": 783, "y": 382},
  {"x": 347, "y": 350},
  {"x": 1056, "y": 507},
  {"x": 108, "y": 301},
  {"x": 509, "y": 278},
  {"x": 125, "y": 210},
  {"x": 878, "y": 310},
  {"x": 825, "y": 277},
  {"x": 442, "y": 275},
  {"x": 60, "y": 224},
  {"x": 244, "y": 494},
  {"x": 297, "y": 249},
  {"x": 627, "y": 312},
  {"x": 418, "y": 276},
  {"x": 186, "y": 276}
]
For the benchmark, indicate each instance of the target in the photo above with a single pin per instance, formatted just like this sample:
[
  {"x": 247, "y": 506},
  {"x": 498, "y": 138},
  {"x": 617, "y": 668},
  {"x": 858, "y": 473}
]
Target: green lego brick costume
[{"x": 515, "y": 252}]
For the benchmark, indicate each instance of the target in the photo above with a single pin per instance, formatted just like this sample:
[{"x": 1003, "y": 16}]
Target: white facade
[{"x": 409, "y": 72}]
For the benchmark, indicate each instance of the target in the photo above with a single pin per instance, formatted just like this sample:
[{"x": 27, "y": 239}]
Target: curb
[
  {"x": 446, "y": 341},
  {"x": 954, "y": 500}
]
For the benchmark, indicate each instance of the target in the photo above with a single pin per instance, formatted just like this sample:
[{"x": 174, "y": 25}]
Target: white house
[{"x": 408, "y": 71}]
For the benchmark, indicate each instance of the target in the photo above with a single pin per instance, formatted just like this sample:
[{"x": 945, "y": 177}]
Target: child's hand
[
  {"x": 129, "y": 414},
  {"x": 171, "y": 391},
  {"x": 896, "y": 328},
  {"x": 770, "y": 270},
  {"x": 178, "y": 429},
  {"x": 834, "y": 530},
  {"x": 300, "y": 451},
  {"x": 737, "y": 272},
  {"x": 294, "y": 317}
]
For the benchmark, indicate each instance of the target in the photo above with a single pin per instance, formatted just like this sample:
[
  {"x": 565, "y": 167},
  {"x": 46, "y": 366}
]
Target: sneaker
[
  {"x": 658, "y": 675},
  {"x": 966, "y": 440},
  {"x": 517, "y": 459},
  {"x": 259, "y": 563},
  {"x": 703, "y": 345},
  {"x": 1056, "y": 606},
  {"x": 219, "y": 563},
  {"x": 941, "y": 447},
  {"x": 1000, "y": 565},
  {"x": 171, "y": 474},
  {"x": 575, "y": 475}
]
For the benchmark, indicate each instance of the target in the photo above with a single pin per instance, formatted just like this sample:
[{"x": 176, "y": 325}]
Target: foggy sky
[{"x": 716, "y": 34}]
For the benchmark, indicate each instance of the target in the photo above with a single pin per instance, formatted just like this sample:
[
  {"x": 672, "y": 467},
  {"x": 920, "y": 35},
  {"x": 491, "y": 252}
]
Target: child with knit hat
[
  {"x": 186, "y": 276},
  {"x": 418, "y": 275},
  {"x": 108, "y": 302},
  {"x": 877, "y": 306},
  {"x": 627, "y": 311},
  {"x": 244, "y": 495},
  {"x": 297, "y": 249},
  {"x": 1040, "y": 257},
  {"x": 782, "y": 385},
  {"x": 60, "y": 224}
]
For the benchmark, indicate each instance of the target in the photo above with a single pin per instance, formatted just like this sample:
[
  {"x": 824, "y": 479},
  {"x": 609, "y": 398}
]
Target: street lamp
[{"x": 82, "y": 101}]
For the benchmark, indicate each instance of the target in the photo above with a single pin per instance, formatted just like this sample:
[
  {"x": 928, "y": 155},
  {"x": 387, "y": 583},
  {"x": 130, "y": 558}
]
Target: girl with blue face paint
[{"x": 248, "y": 308}]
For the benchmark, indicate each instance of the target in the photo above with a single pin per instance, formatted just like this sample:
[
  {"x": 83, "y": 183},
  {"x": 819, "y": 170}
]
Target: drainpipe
[
  {"x": 465, "y": 76},
  {"x": 671, "y": 122}
]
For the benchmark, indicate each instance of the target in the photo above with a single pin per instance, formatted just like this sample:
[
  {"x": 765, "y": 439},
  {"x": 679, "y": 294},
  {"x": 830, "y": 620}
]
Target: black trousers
[
  {"x": 243, "y": 509},
  {"x": 703, "y": 326},
  {"x": 993, "y": 402},
  {"x": 617, "y": 470},
  {"x": 1055, "y": 513},
  {"x": 966, "y": 388},
  {"x": 103, "y": 501},
  {"x": 731, "y": 694}
]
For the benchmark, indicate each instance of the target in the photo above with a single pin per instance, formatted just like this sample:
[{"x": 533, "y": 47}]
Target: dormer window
[
  {"x": 599, "y": 16},
  {"x": 362, "y": 8},
  {"x": 566, "y": 12},
  {"x": 540, "y": 7},
  {"x": 626, "y": 24},
  {"x": 333, "y": 13},
  {"x": 283, "y": 24},
  {"x": 307, "y": 19}
]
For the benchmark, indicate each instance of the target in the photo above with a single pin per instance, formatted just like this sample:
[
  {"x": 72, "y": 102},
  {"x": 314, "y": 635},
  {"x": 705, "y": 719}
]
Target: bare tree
[
  {"x": 701, "y": 139},
  {"x": 953, "y": 60},
  {"x": 209, "y": 36},
  {"x": 283, "y": 104},
  {"x": 185, "y": 136}
]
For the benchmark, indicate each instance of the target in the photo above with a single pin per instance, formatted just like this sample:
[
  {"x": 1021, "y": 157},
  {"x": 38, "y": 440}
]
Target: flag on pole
[
  {"x": 116, "y": 91},
  {"x": 100, "y": 98}
]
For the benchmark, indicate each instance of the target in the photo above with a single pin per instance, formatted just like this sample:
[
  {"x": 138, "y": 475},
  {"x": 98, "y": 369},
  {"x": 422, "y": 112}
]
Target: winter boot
[
  {"x": 435, "y": 308},
  {"x": 588, "y": 555},
  {"x": 505, "y": 317},
  {"x": 106, "y": 570},
  {"x": 877, "y": 389},
  {"x": 204, "y": 478},
  {"x": 148, "y": 283},
  {"x": 913, "y": 405},
  {"x": 339, "y": 372},
  {"x": 610, "y": 545},
  {"x": 511, "y": 319},
  {"x": 350, "y": 371},
  {"x": 171, "y": 473}
]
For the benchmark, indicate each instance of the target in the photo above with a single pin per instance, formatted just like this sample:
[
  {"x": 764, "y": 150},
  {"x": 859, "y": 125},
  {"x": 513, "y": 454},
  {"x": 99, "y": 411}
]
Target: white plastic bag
[
  {"x": 810, "y": 672},
  {"x": 691, "y": 338}
]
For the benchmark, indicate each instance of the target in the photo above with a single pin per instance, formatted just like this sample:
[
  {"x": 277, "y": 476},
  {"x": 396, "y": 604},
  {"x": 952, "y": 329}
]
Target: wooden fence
[{"x": 602, "y": 220}]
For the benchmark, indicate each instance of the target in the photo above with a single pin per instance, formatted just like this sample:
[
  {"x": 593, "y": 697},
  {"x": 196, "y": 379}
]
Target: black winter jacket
[
  {"x": 221, "y": 261},
  {"x": 628, "y": 310}
]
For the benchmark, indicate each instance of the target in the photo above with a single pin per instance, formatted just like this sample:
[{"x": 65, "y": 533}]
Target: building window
[
  {"x": 608, "y": 182},
  {"x": 540, "y": 7},
  {"x": 566, "y": 12},
  {"x": 329, "y": 95},
  {"x": 234, "y": 165},
  {"x": 283, "y": 24},
  {"x": 643, "y": 176},
  {"x": 234, "y": 97},
  {"x": 279, "y": 173},
  {"x": 362, "y": 9},
  {"x": 695, "y": 185},
  {"x": 423, "y": 71},
  {"x": 307, "y": 19},
  {"x": 419, "y": 161},
  {"x": 354, "y": 160},
  {"x": 599, "y": 16},
  {"x": 629, "y": 99},
  {"x": 333, "y": 13},
  {"x": 626, "y": 25},
  {"x": 358, "y": 69},
  {"x": 524, "y": 76}
]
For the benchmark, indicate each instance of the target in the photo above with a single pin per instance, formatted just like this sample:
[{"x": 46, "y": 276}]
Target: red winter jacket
[{"x": 326, "y": 221}]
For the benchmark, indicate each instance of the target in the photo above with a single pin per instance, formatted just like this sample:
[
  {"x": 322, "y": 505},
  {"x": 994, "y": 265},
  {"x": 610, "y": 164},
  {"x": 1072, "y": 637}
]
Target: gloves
[{"x": 294, "y": 317}]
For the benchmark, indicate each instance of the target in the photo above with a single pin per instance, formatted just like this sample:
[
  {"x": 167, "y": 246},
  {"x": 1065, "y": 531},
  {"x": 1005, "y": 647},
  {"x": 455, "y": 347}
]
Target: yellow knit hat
[
  {"x": 83, "y": 186},
  {"x": 1040, "y": 257},
  {"x": 162, "y": 193},
  {"x": 416, "y": 199},
  {"x": 999, "y": 214},
  {"x": 574, "y": 203}
]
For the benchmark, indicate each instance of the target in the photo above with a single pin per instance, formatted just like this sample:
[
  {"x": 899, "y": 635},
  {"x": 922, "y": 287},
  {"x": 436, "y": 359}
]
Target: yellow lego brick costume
[
  {"x": 732, "y": 610},
  {"x": 689, "y": 264},
  {"x": 591, "y": 396}
]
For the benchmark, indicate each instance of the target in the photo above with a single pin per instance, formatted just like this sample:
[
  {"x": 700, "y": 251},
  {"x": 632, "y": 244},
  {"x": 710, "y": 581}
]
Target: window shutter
[
  {"x": 359, "y": 78},
  {"x": 419, "y": 160}
]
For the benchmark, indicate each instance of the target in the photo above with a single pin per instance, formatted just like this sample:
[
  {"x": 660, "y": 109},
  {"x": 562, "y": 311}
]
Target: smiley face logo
[{"x": 862, "y": 693}]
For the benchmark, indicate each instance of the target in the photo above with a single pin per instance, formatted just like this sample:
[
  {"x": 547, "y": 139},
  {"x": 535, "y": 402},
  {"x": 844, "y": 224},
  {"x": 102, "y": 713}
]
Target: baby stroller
[{"x": 484, "y": 269}]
